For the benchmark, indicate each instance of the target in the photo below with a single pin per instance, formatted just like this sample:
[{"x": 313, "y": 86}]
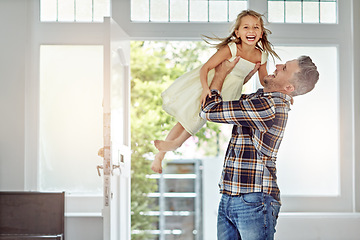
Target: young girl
[{"x": 183, "y": 98}]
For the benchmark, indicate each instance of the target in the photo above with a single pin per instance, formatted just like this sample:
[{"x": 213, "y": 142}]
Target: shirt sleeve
[{"x": 256, "y": 113}]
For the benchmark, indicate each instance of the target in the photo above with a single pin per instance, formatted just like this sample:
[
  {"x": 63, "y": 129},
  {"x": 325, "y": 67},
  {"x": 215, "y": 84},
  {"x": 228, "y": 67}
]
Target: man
[{"x": 250, "y": 200}]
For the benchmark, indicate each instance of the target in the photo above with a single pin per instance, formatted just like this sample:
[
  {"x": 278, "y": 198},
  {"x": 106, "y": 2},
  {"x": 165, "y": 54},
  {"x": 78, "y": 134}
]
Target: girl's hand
[
  {"x": 204, "y": 94},
  {"x": 252, "y": 72}
]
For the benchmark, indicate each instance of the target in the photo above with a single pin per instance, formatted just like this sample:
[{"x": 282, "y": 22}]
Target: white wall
[
  {"x": 13, "y": 43},
  {"x": 83, "y": 228},
  {"x": 318, "y": 226},
  {"x": 356, "y": 64},
  {"x": 211, "y": 197}
]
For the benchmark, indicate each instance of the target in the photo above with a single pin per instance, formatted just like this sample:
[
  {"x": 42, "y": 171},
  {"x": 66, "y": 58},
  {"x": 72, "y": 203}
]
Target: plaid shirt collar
[{"x": 287, "y": 98}]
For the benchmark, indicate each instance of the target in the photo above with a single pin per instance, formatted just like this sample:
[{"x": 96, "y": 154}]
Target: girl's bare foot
[
  {"x": 165, "y": 146},
  {"x": 156, "y": 164}
]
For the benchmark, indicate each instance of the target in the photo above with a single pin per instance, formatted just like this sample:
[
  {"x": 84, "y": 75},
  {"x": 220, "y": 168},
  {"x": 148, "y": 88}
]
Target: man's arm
[
  {"x": 258, "y": 113},
  {"x": 221, "y": 71}
]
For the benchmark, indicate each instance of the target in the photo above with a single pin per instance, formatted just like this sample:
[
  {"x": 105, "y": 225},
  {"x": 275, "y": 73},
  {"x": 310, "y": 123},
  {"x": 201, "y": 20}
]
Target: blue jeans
[{"x": 251, "y": 216}]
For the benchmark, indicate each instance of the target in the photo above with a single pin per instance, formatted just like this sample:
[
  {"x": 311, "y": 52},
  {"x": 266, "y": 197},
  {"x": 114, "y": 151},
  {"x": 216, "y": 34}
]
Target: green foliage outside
[{"x": 154, "y": 66}]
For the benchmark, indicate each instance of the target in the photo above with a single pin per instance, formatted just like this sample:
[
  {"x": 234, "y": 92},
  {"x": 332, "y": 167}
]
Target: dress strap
[
  {"x": 264, "y": 57},
  {"x": 233, "y": 50}
]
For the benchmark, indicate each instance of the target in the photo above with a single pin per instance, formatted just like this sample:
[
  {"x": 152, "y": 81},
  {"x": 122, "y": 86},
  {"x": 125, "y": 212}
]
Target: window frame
[{"x": 285, "y": 34}]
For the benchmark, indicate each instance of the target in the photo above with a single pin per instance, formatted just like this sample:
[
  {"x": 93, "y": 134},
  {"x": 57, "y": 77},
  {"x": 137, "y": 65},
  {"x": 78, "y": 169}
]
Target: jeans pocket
[
  {"x": 253, "y": 199},
  {"x": 275, "y": 205}
]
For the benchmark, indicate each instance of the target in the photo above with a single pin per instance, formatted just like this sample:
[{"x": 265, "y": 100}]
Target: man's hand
[
  {"x": 226, "y": 66},
  {"x": 205, "y": 93},
  {"x": 221, "y": 71},
  {"x": 252, "y": 72}
]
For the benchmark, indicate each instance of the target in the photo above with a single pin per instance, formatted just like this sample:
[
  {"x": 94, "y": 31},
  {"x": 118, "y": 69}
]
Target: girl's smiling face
[{"x": 250, "y": 30}]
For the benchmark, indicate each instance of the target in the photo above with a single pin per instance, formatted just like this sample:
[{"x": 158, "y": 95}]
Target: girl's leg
[
  {"x": 176, "y": 137},
  {"x": 176, "y": 132},
  {"x": 156, "y": 164}
]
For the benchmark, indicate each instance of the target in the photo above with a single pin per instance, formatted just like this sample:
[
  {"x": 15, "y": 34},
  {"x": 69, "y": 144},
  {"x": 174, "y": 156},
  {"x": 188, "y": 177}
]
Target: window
[
  {"x": 74, "y": 10},
  {"x": 302, "y": 11},
  {"x": 186, "y": 10},
  {"x": 304, "y": 167},
  {"x": 71, "y": 124}
]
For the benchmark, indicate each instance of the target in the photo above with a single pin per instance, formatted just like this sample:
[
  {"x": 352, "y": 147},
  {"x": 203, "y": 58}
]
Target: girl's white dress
[{"x": 182, "y": 98}]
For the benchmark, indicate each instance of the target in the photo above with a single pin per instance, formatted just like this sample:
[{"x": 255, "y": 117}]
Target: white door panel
[{"x": 116, "y": 151}]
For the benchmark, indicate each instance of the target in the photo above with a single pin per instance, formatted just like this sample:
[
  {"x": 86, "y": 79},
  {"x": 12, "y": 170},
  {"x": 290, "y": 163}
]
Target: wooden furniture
[{"x": 31, "y": 215}]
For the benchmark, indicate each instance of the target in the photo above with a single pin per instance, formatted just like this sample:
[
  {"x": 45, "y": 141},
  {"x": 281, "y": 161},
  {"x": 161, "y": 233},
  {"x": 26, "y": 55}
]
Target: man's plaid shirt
[{"x": 259, "y": 122}]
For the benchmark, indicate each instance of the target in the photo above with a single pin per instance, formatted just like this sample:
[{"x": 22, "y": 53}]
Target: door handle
[
  {"x": 100, "y": 154},
  {"x": 98, "y": 167},
  {"x": 115, "y": 167}
]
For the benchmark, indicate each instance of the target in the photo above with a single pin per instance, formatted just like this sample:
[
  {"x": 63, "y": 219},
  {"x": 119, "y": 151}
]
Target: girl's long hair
[{"x": 263, "y": 44}]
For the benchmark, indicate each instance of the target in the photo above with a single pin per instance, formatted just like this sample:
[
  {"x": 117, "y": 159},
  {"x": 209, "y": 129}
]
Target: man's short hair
[{"x": 305, "y": 80}]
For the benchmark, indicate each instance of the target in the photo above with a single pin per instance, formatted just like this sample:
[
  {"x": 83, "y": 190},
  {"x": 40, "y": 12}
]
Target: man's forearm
[{"x": 218, "y": 81}]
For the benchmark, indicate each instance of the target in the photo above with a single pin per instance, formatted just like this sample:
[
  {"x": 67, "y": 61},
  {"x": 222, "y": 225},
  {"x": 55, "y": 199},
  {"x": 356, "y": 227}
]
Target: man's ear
[{"x": 289, "y": 88}]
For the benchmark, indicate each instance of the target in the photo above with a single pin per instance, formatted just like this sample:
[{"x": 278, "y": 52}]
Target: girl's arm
[
  {"x": 262, "y": 73},
  {"x": 221, "y": 55}
]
